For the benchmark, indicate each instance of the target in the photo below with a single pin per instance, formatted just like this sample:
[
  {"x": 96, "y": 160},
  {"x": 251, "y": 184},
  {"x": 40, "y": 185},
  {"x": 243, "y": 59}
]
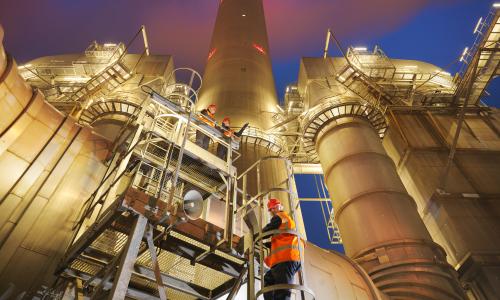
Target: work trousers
[
  {"x": 202, "y": 140},
  {"x": 279, "y": 274},
  {"x": 222, "y": 150}
]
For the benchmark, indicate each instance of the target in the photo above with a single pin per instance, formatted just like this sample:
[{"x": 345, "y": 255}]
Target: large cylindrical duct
[
  {"x": 378, "y": 219},
  {"x": 238, "y": 79},
  {"x": 238, "y": 75},
  {"x": 48, "y": 165}
]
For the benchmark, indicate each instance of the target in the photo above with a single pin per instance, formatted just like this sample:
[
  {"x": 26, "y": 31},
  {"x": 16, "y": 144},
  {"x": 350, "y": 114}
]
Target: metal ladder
[{"x": 249, "y": 204}]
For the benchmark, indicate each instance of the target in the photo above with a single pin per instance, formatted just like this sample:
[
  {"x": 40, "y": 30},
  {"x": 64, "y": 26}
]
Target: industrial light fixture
[
  {"x": 442, "y": 72},
  {"x": 496, "y": 5},
  {"x": 243, "y": 15},
  {"x": 259, "y": 48},
  {"x": 212, "y": 53},
  {"x": 477, "y": 25},
  {"x": 109, "y": 45},
  {"x": 360, "y": 48},
  {"x": 464, "y": 53}
]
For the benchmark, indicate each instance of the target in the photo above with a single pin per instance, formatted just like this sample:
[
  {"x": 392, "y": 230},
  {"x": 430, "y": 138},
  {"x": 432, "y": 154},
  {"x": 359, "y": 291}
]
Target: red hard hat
[
  {"x": 226, "y": 119},
  {"x": 212, "y": 105},
  {"x": 273, "y": 203}
]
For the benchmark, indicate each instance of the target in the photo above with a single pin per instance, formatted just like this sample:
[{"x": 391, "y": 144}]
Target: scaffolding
[{"x": 145, "y": 232}]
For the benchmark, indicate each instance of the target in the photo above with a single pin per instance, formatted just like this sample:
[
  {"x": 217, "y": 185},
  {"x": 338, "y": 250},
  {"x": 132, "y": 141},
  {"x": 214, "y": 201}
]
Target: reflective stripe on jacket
[
  {"x": 284, "y": 246},
  {"x": 207, "y": 117}
]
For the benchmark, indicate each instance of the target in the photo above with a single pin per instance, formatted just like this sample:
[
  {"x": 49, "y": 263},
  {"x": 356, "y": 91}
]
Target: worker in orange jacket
[
  {"x": 227, "y": 135},
  {"x": 207, "y": 116},
  {"x": 284, "y": 258}
]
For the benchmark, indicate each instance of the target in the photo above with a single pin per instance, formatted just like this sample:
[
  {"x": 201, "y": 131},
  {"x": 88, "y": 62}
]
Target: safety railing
[
  {"x": 98, "y": 197},
  {"x": 170, "y": 128},
  {"x": 249, "y": 204}
]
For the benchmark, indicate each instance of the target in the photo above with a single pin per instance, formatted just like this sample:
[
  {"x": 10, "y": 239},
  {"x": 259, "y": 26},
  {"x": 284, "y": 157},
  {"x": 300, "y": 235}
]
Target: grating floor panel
[{"x": 110, "y": 243}]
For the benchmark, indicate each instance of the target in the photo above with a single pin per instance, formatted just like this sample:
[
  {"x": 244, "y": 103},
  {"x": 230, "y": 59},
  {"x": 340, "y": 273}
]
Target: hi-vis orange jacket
[
  {"x": 284, "y": 246},
  {"x": 207, "y": 117}
]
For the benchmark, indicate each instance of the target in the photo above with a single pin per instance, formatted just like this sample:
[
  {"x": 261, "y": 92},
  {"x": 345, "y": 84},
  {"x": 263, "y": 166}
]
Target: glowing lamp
[
  {"x": 212, "y": 53},
  {"x": 259, "y": 48}
]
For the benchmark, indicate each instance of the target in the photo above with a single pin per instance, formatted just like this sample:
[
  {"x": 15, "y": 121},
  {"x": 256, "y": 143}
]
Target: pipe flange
[
  {"x": 273, "y": 143},
  {"x": 99, "y": 109},
  {"x": 322, "y": 114}
]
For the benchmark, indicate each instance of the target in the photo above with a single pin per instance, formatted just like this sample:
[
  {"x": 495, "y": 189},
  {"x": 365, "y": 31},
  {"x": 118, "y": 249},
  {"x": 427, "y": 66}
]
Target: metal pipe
[
  {"x": 453, "y": 148},
  {"x": 327, "y": 43},
  {"x": 131, "y": 249},
  {"x": 367, "y": 190},
  {"x": 145, "y": 39},
  {"x": 251, "y": 266},
  {"x": 154, "y": 262},
  {"x": 237, "y": 285}
]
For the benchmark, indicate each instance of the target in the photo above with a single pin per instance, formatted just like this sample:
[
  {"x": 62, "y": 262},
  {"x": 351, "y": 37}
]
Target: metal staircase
[
  {"x": 139, "y": 235},
  {"x": 103, "y": 83},
  {"x": 481, "y": 63},
  {"x": 361, "y": 85}
]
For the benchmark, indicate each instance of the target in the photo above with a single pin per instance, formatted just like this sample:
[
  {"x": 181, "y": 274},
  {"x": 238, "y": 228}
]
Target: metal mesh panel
[
  {"x": 156, "y": 150},
  {"x": 181, "y": 267},
  {"x": 110, "y": 242},
  {"x": 85, "y": 266},
  {"x": 189, "y": 240}
]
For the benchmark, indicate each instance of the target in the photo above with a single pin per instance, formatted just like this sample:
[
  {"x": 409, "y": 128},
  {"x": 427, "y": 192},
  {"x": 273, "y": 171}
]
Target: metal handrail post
[
  {"x": 251, "y": 267},
  {"x": 290, "y": 184},
  {"x": 181, "y": 153}
]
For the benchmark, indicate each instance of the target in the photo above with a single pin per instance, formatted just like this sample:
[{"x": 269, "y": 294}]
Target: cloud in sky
[{"x": 183, "y": 27}]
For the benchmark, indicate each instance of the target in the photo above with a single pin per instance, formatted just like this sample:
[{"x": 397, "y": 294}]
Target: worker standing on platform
[
  {"x": 284, "y": 258},
  {"x": 207, "y": 115},
  {"x": 228, "y": 134}
]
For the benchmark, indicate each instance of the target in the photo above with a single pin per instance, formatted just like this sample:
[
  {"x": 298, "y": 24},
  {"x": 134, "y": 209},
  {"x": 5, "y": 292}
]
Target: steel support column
[{"x": 122, "y": 278}]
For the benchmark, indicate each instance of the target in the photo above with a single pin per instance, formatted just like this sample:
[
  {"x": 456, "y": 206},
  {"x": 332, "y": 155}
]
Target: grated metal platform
[{"x": 187, "y": 270}]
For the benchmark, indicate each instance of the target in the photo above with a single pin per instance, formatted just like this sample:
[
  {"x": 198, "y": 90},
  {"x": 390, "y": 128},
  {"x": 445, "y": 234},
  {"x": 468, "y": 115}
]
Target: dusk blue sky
[{"x": 435, "y": 31}]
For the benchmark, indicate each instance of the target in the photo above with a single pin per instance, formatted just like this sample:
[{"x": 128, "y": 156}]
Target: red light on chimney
[
  {"x": 212, "y": 53},
  {"x": 259, "y": 48}
]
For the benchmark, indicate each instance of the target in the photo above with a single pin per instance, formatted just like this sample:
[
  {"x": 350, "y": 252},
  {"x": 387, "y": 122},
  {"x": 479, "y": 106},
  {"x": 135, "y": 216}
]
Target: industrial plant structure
[{"x": 104, "y": 192}]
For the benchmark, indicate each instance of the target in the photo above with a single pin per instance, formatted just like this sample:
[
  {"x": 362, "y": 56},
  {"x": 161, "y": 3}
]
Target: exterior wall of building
[
  {"x": 466, "y": 219},
  {"x": 48, "y": 166},
  {"x": 378, "y": 219}
]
